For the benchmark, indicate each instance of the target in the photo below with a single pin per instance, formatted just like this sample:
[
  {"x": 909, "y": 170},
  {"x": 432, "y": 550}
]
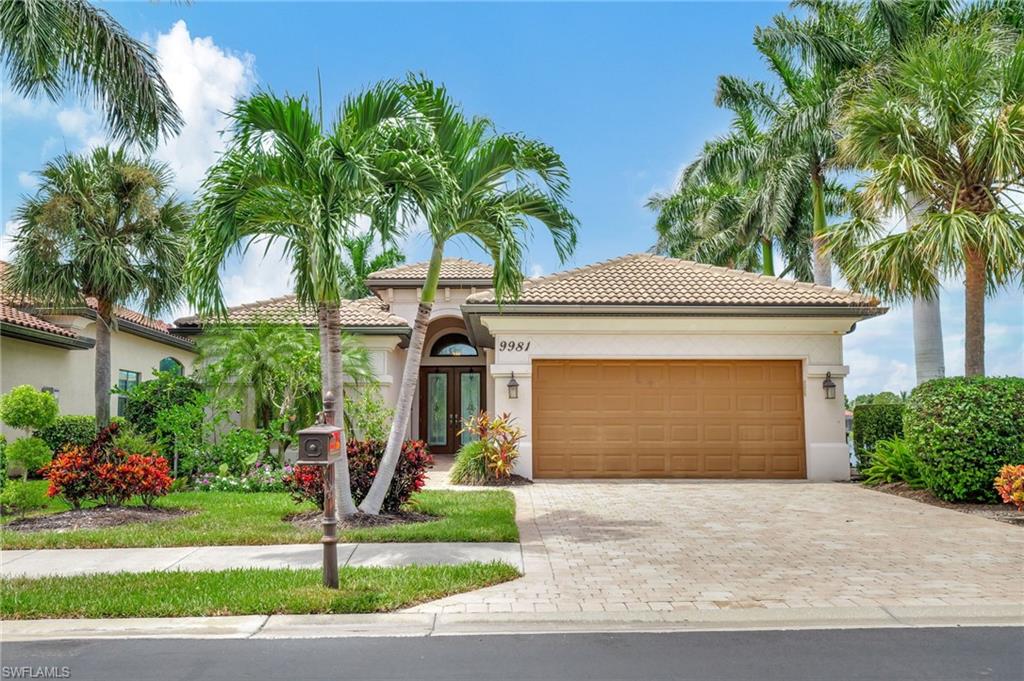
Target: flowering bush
[
  {"x": 1010, "y": 485},
  {"x": 264, "y": 478},
  {"x": 493, "y": 455},
  {"x": 103, "y": 472},
  {"x": 306, "y": 482}
]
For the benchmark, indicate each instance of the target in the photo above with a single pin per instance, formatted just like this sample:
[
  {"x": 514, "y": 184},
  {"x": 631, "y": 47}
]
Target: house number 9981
[{"x": 514, "y": 345}]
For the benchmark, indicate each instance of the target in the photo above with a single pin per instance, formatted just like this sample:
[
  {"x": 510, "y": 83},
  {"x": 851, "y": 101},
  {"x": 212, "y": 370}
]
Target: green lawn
[
  {"x": 241, "y": 592},
  {"x": 226, "y": 518}
]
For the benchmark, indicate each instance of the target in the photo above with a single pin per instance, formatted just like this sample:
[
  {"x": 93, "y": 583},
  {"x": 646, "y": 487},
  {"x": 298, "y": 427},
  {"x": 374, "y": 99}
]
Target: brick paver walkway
[{"x": 674, "y": 545}]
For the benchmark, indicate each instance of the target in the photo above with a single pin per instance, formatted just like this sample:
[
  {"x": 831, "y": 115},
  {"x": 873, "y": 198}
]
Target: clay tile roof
[
  {"x": 13, "y": 315},
  {"x": 451, "y": 268},
  {"x": 644, "y": 279},
  {"x": 365, "y": 312}
]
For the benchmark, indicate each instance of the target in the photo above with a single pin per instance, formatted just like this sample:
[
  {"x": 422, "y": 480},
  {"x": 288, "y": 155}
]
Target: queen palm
[
  {"x": 105, "y": 230},
  {"x": 52, "y": 47},
  {"x": 287, "y": 180},
  {"x": 496, "y": 186},
  {"x": 946, "y": 124},
  {"x": 362, "y": 261}
]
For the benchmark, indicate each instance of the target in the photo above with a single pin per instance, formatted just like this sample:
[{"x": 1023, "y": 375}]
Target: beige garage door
[{"x": 667, "y": 419}]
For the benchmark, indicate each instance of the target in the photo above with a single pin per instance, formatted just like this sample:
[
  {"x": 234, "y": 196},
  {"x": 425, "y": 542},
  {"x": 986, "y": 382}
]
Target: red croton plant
[
  {"x": 105, "y": 473},
  {"x": 1010, "y": 485},
  {"x": 306, "y": 482}
]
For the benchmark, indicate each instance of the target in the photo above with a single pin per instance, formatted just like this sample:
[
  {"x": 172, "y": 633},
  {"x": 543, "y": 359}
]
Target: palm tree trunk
[
  {"x": 410, "y": 377},
  {"x": 929, "y": 361},
  {"x": 101, "y": 384},
  {"x": 767, "y": 258},
  {"x": 822, "y": 261},
  {"x": 974, "y": 313},
  {"x": 342, "y": 485}
]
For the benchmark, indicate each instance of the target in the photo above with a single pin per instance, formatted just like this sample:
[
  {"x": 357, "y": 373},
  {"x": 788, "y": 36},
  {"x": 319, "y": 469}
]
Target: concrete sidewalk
[
  {"x": 425, "y": 624},
  {"x": 65, "y": 562}
]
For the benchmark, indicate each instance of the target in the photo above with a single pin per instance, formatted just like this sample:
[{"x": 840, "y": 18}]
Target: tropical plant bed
[
  {"x": 255, "y": 518},
  {"x": 1001, "y": 512},
  {"x": 241, "y": 592},
  {"x": 511, "y": 481}
]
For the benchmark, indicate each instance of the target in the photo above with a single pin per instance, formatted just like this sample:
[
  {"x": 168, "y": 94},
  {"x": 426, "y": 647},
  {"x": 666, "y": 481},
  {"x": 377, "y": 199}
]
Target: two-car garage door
[{"x": 668, "y": 418}]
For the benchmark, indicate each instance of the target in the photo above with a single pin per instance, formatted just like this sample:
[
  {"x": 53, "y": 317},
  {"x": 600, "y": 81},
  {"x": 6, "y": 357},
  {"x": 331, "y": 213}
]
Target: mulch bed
[
  {"x": 1001, "y": 512},
  {"x": 95, "y": 518},
  {"x": 314, "y": 519}
]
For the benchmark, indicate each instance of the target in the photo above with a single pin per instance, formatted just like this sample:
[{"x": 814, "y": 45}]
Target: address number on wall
[{"x": 514, "y": 346}]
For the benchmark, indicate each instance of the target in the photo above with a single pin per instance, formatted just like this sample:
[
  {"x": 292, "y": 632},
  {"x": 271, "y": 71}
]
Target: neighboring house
[
  {"x": 641, "y": 366},
  {"x": 54, "y": 350}
]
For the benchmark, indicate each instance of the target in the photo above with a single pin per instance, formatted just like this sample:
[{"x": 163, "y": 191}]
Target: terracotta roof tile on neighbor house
[
  {"x": 451, "y": 268},
  {"x": 365, "y": 312},
  {"x": 12, "y": 315},
  {"x": 644, "y": 279}
]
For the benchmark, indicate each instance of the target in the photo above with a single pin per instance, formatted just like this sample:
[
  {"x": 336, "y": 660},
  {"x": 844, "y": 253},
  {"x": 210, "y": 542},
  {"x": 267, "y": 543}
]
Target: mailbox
[{"x": 319, "y": 444}]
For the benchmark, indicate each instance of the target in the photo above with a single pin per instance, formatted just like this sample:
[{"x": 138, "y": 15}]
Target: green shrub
[
  {"x": 71, "y": 429},
  {"x": 239, "y": 450},
  {"x": 367, "y": 417},
  {"x": 893, "y": 461},
  {"x": 134, "y": 443},
  {"x": 964, "y": 430},
  {"x": 470, "y": 467},
  {"x": 3, "y": 461},
  {"x": 149, "y": 398},
  {"x": 20, "y": 497},
  {"x": 27, "y": 408},
  {"x": 872, "y": 423},
  {"x": 30, "y": 454}
]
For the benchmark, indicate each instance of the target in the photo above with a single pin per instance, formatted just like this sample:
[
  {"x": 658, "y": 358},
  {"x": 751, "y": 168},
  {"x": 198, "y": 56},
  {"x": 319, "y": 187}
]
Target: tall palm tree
[
  {"x": 496, "y": 186},
  {"x": 946, "y": 122},
  {"x": 52, "y": 47},
  {"x": 362, "y": 262},
  {"x": 286, "y": 179},
  {"x": 102, "y": 229}
]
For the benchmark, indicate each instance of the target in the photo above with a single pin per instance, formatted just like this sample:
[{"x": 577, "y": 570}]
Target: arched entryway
[{"x": 452, "y": 385}]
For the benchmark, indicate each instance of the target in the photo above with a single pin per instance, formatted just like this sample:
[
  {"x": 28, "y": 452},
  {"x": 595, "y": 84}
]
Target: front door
[{"x": 449, "y": 396}]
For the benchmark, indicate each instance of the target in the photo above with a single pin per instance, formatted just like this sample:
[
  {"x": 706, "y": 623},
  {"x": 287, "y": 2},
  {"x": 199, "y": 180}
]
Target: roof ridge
[
  {"x": 556, "y": 276},
  {"x": 796, "y": 283},
  {"x": 398, "y": 269}
]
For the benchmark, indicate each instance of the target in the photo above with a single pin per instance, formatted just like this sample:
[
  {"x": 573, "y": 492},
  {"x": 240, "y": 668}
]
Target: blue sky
[{"x": 623, "y": 91}]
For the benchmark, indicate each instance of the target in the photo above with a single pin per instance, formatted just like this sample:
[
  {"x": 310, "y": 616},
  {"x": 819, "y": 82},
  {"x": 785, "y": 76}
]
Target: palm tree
[
  {"x": 287, "y": 180},
  {"x": 362, "y": 262},
  {"x": 102, "y": 229},
  {"x": 944, "y": 123},
  {"x": 496, "y": 185},
  {"x": 52, "y": 47},
  {"x": 276, "y": 366}
]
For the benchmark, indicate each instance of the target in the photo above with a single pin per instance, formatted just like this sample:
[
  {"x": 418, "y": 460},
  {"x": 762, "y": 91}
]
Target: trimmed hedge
[
  {"x": 964, "y": 430},
  {"x": 72, "y": 429},
  {"x": 871, "y": 423}
]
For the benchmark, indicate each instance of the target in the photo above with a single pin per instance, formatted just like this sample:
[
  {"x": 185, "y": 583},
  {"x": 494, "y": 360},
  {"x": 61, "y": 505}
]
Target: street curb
[{"x": 424, "y": 624}]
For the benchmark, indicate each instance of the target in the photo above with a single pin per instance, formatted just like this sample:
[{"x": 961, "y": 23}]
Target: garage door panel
[{"x": 668, "y": 418}]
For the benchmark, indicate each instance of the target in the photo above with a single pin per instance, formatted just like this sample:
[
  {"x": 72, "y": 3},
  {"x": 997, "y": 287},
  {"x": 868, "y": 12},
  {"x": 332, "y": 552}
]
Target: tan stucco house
[
  {"x": 641, "y": 366},
  {"x": 54, "y": 351}
]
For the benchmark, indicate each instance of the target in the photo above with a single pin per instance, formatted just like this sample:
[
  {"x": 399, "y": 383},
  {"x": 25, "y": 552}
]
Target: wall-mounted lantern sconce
[
  {"x": 829, "y": 385},
  {"x": 513, "y": 387}
]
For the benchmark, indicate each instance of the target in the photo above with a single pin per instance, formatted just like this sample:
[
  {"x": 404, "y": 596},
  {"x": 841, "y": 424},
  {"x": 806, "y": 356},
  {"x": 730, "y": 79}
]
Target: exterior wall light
[
  {"x": 513, "y": 387},
  {"x": 829, "y": 385}
]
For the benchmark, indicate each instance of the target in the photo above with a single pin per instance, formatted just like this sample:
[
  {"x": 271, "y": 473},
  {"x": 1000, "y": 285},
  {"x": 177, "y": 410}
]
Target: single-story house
[
  {"x": 54, "y": 350},
  {"x": 638, "y": 367}
]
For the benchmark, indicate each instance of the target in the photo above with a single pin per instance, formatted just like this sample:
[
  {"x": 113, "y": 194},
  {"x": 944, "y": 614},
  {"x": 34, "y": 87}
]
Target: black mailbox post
[{"x": 320, "y": 445}]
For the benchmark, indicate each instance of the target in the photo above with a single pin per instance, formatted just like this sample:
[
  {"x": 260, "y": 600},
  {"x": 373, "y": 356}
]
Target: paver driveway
[{"x": 678, "y": 545}]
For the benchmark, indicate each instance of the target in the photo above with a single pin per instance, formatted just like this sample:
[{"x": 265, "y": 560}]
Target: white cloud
[
  {"x": 11, "y": 229},
  {"x": 205, "y": 81},
  {"x": 17, "y": 106},
  {"x": 536, "y": 271},
  {"x": 258, "y": 276},
  {"x": 27, "y": 180},
  {"x": 83, "y": 125}
]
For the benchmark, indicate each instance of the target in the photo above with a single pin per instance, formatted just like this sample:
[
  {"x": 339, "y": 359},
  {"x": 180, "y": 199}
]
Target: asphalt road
[{"x": 862, "y": 654}]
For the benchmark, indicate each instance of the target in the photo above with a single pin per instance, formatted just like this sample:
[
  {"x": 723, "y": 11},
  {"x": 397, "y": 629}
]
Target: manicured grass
[
  {"x": 236, "y": 518},
  {"x": 241, "y": 592}
]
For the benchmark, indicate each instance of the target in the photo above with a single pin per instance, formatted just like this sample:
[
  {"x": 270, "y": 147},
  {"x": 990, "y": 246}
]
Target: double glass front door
[{"x": 449, "y": 396}]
